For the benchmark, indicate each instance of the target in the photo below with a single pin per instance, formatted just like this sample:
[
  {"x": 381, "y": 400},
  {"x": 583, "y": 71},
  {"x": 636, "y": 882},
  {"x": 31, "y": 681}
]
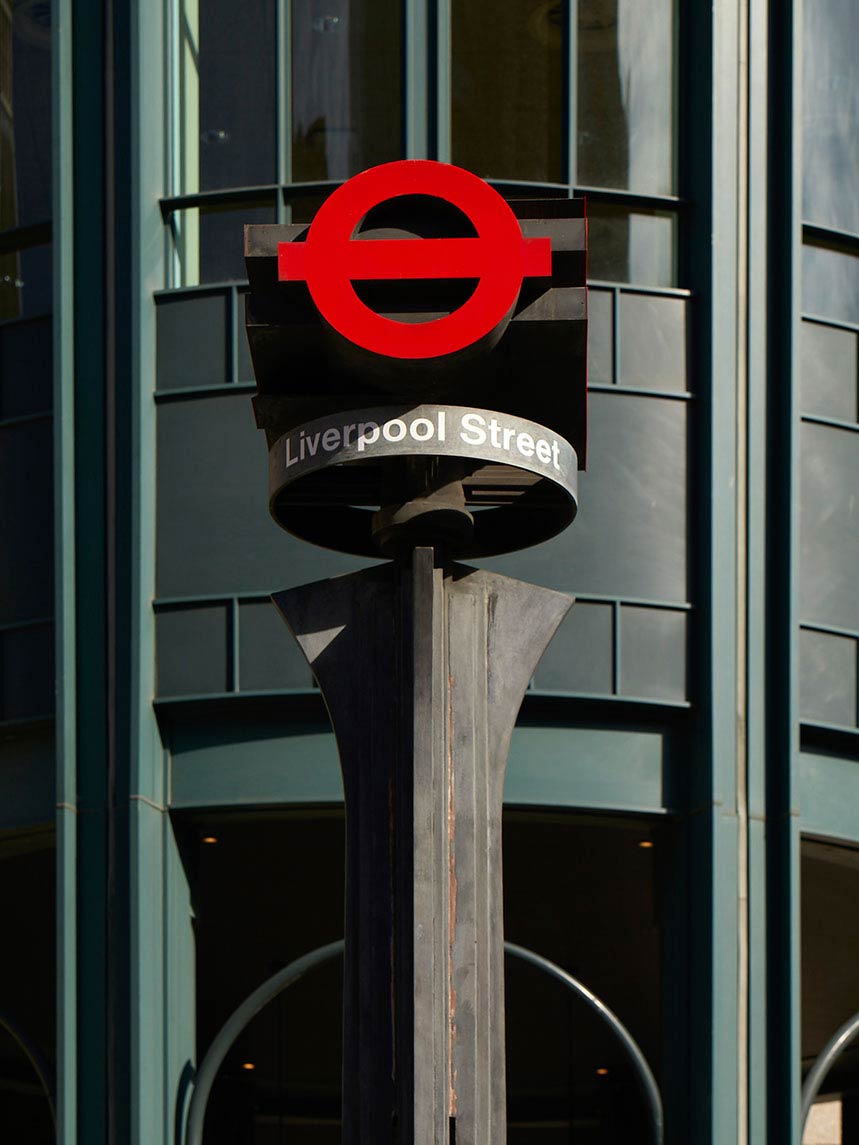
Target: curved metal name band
[
  {"x": 824, "y": 1061},
  {"x": 275, "y": 985},
  {"x": 336, "y": 461}
]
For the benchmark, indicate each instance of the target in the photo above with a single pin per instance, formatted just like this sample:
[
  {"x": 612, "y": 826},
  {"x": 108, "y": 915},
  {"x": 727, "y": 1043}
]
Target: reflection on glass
[
  {"x": 25, "y": 114},
  {"x": 507, "y": 88},
  {"x": 25, "y": 282},
  {"x": 25, "y": 368},
  {"x": 228, "y": 95},
  {"x": 209, "y": 243},
  {"x": 303, "y": 208},
  {"x": 830, "y": 113},
  {"x": 625, "y": 95},
  {"x": 346, "y": 86},
  {"x": 631, "y": 246},
  {"x": 830, "y": 283}
]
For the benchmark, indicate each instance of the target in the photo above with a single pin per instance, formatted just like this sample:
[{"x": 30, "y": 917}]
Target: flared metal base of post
[{"x": 423, "y": 669}]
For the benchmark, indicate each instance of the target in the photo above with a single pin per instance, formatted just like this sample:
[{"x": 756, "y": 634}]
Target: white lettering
[
  {"x": 442, "y": 417},
  {"x": 365, "y": 429},
  {"x": 290, "y": 460},
  {"x": 388, "y": 429},
  {"x": 509, "y": 434},
  {"x": 330, "y": 439},
  {"x": 313, "y": 443},
  {"x": 348, "y": 430},
  {"x": 421, "y": 429},
  {"x": 525, "y": 444},
  {"x": 555, "y": 461},
  {"x": 544, "y": 454},
  {"x": 472, "y": 432}
]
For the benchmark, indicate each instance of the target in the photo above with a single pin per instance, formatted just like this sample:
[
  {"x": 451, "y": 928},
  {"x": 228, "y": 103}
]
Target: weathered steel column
[{"x": 423, "y": 669}]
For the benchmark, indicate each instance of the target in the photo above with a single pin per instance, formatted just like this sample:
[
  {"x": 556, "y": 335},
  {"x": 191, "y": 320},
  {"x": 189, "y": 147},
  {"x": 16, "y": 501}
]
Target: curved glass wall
[
  {"x": 829, "y": 557},
  {"x": 829, "y": 367},
  {"x": 26, "y": 515},
  {"x": 574, "y": 891},
  {"x": 272, "y": 102}
]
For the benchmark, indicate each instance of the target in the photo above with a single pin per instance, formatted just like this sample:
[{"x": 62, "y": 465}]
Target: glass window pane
[
  {"x": 209, "y": 242},
  {"x": 653, "y": 342},
  {"x": 829, "y": 533},
  {"x": 586, "y": 896},
  {"x": 626, "y": 95},
  {"x": 295, "y": 1041},
  {"x": 28, "y": 970},
  {"x": 581, "y": 655},
  {"x": 232, "y": 81},
  {"x": 26, "y": 521},
  {"x": 25, "y": 114},
  {"x": 27, "y": 672},
  {"x": 830, "y": 143},
  {"x": 244, "y": 366},
  {"x": 653, "y": 653},
  {"x": 346, "y": 86},
  {"x": 192, "y": 650},
  {"x": 193, "y": 348},
  {"x": 600, "y": 336},
  {"x": 507, "y": 88},
  {"x": 636, "y": 479},
  {"x": 829, "y": 957},
  {"x": 830, "y": 283},
  {"x": 829, "y": 372},
  {"x": 303, "y": 208},
  {"x": 827, "y": 678},
  {"x": 269, "y": 656},
  {"x": 26, "y": 383},
  {"x": 26, "y": 282},
  {"x": 631, "y": 246},
  {"x": 215, "y": 534}
]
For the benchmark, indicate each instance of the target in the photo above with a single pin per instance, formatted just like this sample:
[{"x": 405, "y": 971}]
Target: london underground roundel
[{"x": 331, "y": 260}]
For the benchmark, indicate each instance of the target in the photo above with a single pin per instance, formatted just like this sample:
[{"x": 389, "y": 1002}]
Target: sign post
[{"x": 400, "y": 424}]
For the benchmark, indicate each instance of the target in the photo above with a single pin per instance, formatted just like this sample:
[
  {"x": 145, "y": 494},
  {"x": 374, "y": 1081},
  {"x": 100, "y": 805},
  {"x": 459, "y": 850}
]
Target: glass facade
[
  {"x": 498, "y": 96},
  {"x": 682, "y": 796},
  {"x": 828, "y": 399},
  {"x": 28, "y": 996}
]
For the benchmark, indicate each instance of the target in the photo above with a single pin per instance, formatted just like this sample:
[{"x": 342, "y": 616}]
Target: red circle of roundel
[{"x": 330, "y": 260}]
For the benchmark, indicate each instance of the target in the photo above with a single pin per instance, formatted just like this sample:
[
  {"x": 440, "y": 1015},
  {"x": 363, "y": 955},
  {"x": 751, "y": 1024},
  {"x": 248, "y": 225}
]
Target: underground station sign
[
  {"x": 422, "y": 339},
  {"x": 498, "y": 257}
]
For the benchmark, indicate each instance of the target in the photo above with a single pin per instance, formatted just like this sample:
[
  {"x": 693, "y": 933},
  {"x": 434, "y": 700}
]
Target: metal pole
[{"x": 423, "y": 668}]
